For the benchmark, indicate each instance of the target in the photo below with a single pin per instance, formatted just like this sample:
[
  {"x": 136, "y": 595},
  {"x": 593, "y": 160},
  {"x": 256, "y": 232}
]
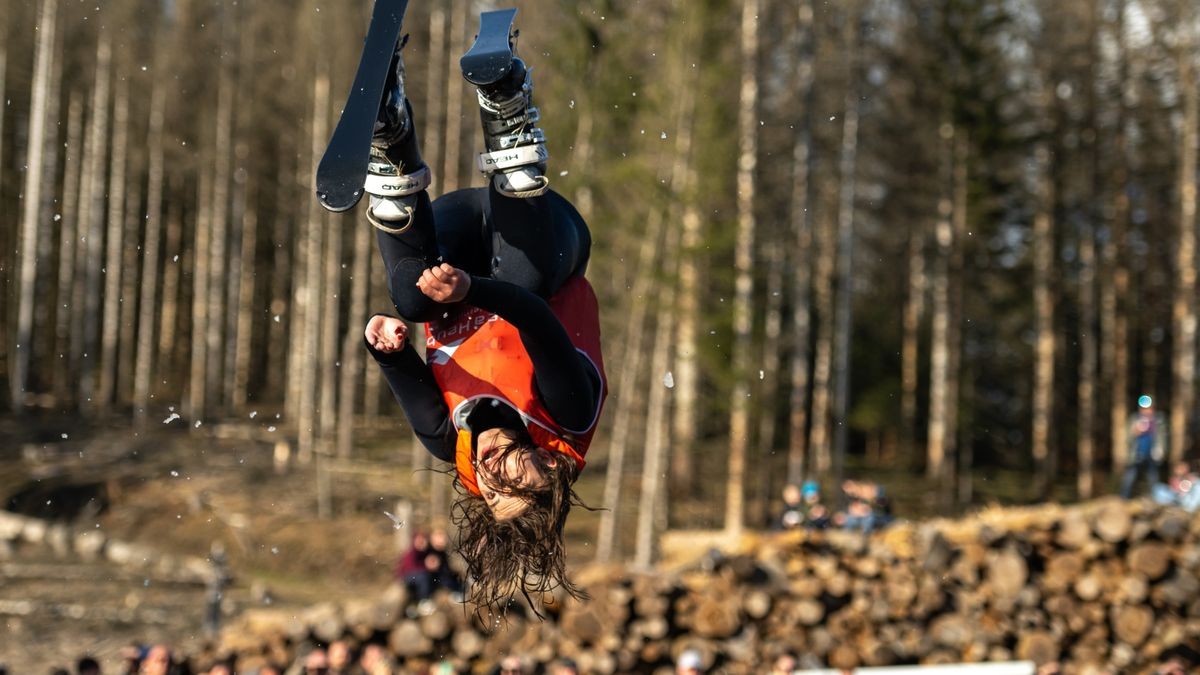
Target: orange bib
[{"x": 477, "y": 356}]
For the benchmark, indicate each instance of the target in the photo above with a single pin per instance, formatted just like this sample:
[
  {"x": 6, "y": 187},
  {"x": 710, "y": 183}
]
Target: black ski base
[
  {"x": 343, "y": 167},
  {"x": 488, "y": 60}
]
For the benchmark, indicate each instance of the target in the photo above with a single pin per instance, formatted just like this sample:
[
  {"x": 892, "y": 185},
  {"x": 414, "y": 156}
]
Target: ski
[
  {"x": 488, "y": 59},
  {"x": 343, "y": 167}
]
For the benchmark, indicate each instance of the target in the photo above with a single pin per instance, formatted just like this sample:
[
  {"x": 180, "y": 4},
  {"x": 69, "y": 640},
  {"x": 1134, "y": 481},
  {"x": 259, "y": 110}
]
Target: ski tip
[{"x": 338, "y": 203}]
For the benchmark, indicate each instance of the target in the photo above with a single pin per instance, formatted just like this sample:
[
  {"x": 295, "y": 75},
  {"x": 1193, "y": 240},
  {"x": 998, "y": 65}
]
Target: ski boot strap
[
  {"x": 385, "y": 180},
  {"x": 512, "y": 159}
]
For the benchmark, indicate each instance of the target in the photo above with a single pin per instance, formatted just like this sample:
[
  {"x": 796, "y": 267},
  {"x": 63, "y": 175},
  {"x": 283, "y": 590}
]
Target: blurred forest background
[{"x": 951, "y": 238}]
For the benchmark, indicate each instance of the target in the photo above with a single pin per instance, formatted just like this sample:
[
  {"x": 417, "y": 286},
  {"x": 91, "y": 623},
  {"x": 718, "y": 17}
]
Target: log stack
[{"x": 1105, "y": 586}]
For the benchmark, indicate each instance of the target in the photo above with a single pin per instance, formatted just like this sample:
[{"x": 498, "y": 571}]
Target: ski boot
[
  {"x": 395, "y": 173},
  {"x": 515, "y": 159}
]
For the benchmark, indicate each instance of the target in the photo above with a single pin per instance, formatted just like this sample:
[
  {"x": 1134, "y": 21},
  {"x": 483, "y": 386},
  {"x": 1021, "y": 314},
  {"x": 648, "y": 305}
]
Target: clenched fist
[{"x": 444, "y": 283}]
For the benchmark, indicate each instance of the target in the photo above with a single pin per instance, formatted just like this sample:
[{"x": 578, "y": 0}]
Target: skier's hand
[
  {"x": 386, "y": 333},
  {"x": 444, "y": 283}
]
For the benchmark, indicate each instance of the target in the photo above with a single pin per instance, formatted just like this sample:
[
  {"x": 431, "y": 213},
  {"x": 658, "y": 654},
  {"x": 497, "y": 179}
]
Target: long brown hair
[{"x": 524, "y": 554}]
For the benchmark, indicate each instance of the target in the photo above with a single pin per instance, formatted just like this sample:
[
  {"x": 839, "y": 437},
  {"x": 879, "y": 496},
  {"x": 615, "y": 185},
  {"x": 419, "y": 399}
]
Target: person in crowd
[
  {"x": 158, "y": 661},
  {"x": 444, "y": 575},
  {"x": 339, "y": 657},
  {"x": 784, "y": 664},
  {"x": 87, "y": 666},
  {"x": 510, "y": 665},
  {"x": 1147, "y": 446},
  {"x": 316, "y": 662},
  {"x": 374, "y": 660},
  {"x": 1180, "y": 489},
  {"x": 425, "y": 567},
  {"x": 512, "y": 383},
  {"x": 792, "y": 515},
  {"x": 564, "y": 666},
  {"x": 816, "y": 514},
  {"x": 867, "y": 507}
]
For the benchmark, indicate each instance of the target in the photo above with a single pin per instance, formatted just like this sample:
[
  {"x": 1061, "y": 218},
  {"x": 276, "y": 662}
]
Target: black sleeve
[
  {"x": 412, "y": 383},
  {"x": 566, "y": 382}
]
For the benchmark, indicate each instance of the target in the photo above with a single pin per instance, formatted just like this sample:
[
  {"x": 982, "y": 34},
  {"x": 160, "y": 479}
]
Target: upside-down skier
[{"x": 513, "y": 380}]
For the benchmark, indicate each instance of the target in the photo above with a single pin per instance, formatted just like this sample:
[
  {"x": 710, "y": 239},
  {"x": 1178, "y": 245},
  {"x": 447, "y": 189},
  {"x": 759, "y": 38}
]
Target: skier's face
[{"x": 504, "y": 472}]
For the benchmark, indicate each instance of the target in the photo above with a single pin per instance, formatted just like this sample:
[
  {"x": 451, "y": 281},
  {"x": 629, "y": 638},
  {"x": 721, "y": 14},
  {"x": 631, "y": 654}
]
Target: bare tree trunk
[
  {"x": 5, "y": 244},
  {"x": 27, "y": 246},
  {"x": 201, "y": 257},
  {"x": 845, "y": 247},
  {"x": 168, "y": 319},
  {"x": 373, "y": 387},
  {"x": 1114, "y": 288},
  {"x": 236, "y": 279},
  {"x": 148, "y": 304},
  {"x": 1043, "y": 303},
  {"x": 90, "y": 331},
  {"x": 652, "y": 503},
  {"x": 687, "y": 371},
  {"x": 247, "y": 280},
  {"x": 49, "y": 217},
  {"x": 454, "y": 97},
  {"x": 280, "y": 348},
  {"x": 327, "y": 366},
  {"x": 65, "y": 374},
  {"x": 939, "y": 394},
  {"x": 581, "y": 157},
  {"x": 330, "y": 286},
  {"x": 110, "y": 318},
  {"x": 1183, "y": 399},
  {"x": 352, "y": 349},
  {"x": 132, "y": 248},
  {"x": 954, "y": 448},
  {"x": 214, "y": 335},
  {"x": 432, "y": 116},
  {"x": 739, "y": 416},
  {"x": 818, "y": 437},
  {"x": 801, "y": 227},
  {"x": 626, "y": 391},
  {"x": 311, "y": 290},
  {"x": 914, "y": 310}
]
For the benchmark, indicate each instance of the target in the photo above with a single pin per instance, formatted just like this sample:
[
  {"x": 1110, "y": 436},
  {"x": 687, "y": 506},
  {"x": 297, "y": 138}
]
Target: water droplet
[{"x": 669, "y": 380}]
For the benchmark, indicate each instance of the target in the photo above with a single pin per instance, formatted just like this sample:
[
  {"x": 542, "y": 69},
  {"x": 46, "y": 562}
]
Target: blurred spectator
[
  {"x": 510, "y": 665},
  {"x": 426, "y": 566},
  {"x": 1147, "y": 446},
  {"x": 87, "y": 666},
  {"x": 1180, "y": 489},
  {"x": 157, "y": 661},
  {"x": 339, "y": 658},
  {"x": 372, "y": 656},
  {"x": 867, "y": 507},
  {"x": 784, "y": 664},
  {"x": 792, "y": 514},
  {"x": 564, "y": 666},
  {"x": 131, "y": 659},
  {"x": 316, "y": 662},
  {"x": 444, "y": 575},
  {"x": 690, "y": 662},
  {"x": 816, "y": 515}
]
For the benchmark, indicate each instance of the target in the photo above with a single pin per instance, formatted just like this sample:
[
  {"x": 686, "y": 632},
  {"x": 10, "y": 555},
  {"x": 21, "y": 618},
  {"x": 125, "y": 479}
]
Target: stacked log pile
[{"x": 1106, "y": 586}]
